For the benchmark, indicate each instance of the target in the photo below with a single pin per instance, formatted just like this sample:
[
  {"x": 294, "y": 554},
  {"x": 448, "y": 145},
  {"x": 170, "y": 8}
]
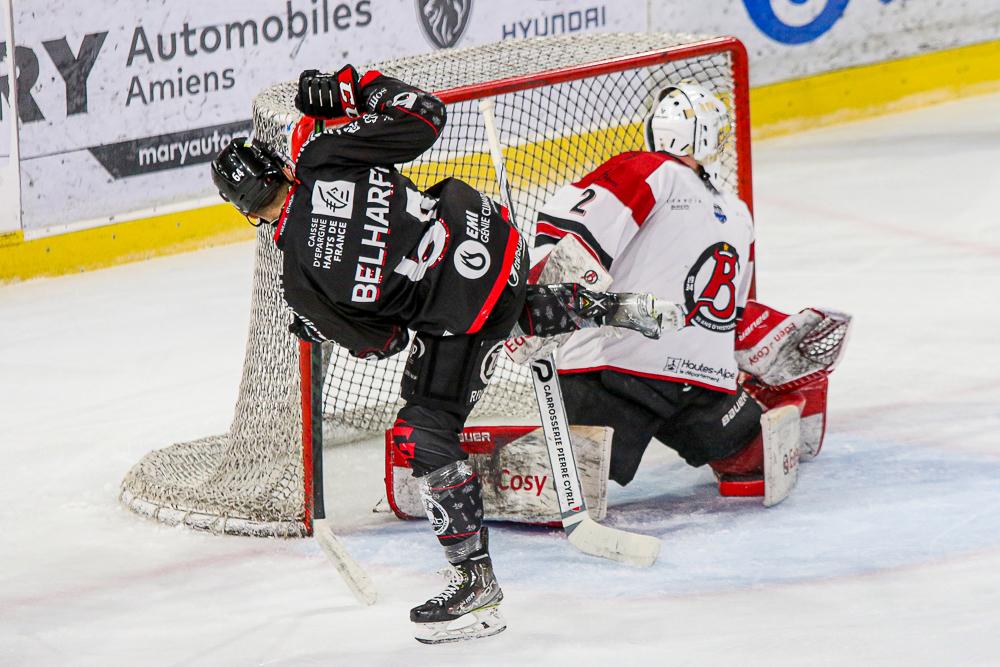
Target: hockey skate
[{"x": 468, "y": 607}]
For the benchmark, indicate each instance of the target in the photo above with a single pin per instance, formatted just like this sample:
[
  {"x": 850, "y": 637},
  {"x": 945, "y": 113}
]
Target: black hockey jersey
[{"x": 366, "y": 254}]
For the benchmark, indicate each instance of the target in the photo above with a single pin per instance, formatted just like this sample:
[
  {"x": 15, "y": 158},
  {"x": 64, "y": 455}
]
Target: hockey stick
[
  {"x": 583, "y": 532},
  {"x": 311, "y": 368}
]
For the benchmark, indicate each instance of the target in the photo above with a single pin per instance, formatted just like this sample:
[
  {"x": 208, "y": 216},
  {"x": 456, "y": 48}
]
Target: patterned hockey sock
[{"x": 453, "y": 499}]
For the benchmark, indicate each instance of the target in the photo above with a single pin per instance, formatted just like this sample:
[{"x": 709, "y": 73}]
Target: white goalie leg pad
[
  {"x": 780, "y": 430},
  {"x": 569, "y": 262},
  {"x": 513, "y": 465},
  {"x": 484, "y": 622}
]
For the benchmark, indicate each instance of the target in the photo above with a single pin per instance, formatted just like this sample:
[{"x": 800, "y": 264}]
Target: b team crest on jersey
[{"x": 710, "y": 288}]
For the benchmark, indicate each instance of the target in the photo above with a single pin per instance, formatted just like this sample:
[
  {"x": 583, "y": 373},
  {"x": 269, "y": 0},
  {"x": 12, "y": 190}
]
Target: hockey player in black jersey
[{"x": 368, "y": 258}]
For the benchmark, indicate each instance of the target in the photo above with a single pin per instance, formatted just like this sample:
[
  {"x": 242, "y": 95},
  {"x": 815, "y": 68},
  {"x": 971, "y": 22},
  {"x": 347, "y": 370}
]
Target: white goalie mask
[{"x": 689, "y": 121}]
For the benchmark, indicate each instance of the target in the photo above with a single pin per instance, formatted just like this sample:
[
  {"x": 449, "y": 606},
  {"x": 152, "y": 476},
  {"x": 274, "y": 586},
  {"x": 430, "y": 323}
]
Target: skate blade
[{"x": 476, "y": 624}]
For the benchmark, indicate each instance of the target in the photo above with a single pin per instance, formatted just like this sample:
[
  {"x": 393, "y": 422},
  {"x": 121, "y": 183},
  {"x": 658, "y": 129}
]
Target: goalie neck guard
[{"x": 247, "y": 175}]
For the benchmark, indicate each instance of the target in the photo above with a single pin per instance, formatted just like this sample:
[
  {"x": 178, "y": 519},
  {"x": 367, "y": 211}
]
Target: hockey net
[{"x": 564, "y": 105}]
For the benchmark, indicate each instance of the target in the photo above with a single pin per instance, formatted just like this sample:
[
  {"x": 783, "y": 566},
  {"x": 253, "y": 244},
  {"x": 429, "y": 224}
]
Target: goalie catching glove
[{"x": 788, "y": 358}]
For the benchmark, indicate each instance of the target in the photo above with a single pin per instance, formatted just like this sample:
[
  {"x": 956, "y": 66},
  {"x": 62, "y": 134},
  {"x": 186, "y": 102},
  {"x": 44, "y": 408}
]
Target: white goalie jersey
[{"x": 657, "y": 227}]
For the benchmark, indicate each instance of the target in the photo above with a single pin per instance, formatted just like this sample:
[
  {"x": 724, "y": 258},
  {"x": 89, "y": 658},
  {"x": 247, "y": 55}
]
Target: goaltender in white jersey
[
  {"x": 662, "y": 221},
  {"x": 650, "y": 219}
]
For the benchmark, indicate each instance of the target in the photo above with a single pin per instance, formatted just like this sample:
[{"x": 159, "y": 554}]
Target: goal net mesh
[{"x": 564, "y": 105}]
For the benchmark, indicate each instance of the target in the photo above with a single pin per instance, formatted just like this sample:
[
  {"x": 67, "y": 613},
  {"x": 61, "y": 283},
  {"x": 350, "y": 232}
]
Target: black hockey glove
[
  {"x": 328, "y": 95},
  {"x": 397, "y": 343},
  {"x": 304, "y": 332}
]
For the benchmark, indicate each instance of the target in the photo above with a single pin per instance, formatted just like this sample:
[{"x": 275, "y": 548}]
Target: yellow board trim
[
  {"x": 11, "y": 238},
  {"x": 131, "y": 241},
  {"x": 780, "y": 108},
  {"x": 862, "y": 92}
]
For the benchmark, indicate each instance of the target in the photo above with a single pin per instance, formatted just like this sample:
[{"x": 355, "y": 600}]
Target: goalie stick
[
  {"x": 583, "y": 532},
  {"x": 311, "y": 368}
]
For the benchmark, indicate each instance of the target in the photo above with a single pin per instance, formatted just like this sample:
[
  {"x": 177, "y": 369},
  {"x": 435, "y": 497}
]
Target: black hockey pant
[
  {"x": 701, "y": 424},
  {"x": 444, "y": 378}
]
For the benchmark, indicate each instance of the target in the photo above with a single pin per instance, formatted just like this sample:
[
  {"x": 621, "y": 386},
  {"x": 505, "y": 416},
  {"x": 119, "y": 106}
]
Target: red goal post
[{"x": 564, "y": 106}]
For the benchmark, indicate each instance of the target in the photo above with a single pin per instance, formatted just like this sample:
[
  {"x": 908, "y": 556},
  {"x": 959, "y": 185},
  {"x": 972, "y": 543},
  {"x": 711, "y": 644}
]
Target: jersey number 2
[{"x": 588, "y": 194}]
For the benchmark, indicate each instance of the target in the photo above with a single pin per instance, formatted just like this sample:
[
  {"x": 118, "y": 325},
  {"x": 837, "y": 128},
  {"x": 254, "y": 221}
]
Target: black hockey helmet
[{"x": 247, "y": 174}]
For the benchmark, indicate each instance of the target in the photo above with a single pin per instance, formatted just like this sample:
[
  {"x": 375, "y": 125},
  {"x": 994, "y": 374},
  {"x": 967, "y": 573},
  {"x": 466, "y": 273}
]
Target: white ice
[{"x": 888, "y": 552}]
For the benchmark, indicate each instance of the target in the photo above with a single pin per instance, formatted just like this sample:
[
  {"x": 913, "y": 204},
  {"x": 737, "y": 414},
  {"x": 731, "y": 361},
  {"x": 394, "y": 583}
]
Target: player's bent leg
[
  {"x": 589, "y": 402},
  {"x": 468, "y": 607},
  {"x": 442, "y": 382}
]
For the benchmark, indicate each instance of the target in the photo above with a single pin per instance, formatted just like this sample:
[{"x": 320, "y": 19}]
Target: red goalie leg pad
[
  {"x": 734, "y": 486},
  {"x": 810, "y": 396},
  {"x": 742, "y": 473}
]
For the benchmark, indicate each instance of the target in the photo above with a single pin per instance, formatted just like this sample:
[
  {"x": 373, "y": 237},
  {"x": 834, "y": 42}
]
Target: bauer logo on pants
[{"x": 472, "y": 259}]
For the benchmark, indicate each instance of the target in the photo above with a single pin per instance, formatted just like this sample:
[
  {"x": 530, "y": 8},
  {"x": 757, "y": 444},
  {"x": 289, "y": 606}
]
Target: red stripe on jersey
[
  {"x": 284, "y": 211},
  {"x": 508, "y": 262},
  {"x": 551, "y": 230},
  {"x": 625, "y": 177},
  {"x": 369, "y": 76},
  {"x": 416, "y": 115}
]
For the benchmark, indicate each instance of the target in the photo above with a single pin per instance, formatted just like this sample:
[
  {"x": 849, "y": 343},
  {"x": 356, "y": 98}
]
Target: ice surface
[{"x": 888, "y": 552}]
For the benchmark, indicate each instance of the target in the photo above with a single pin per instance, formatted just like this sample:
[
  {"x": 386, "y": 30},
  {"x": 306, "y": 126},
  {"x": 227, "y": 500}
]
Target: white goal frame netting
[{"x": 564, "y": 105}]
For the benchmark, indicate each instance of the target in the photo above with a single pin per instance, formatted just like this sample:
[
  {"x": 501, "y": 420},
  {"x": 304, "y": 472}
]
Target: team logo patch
[
  {"x": 590, "y": 277},
  {"x": 334, "y": 199},
  {"x": 444, "y": 21},
  {"x": 472, "y": 259},
  {"x": 710, "y": 288},
  {"x": 489, "y": 365},
  {"x": 437, "y": 515},
  {"x": 417, "y": 349}
]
